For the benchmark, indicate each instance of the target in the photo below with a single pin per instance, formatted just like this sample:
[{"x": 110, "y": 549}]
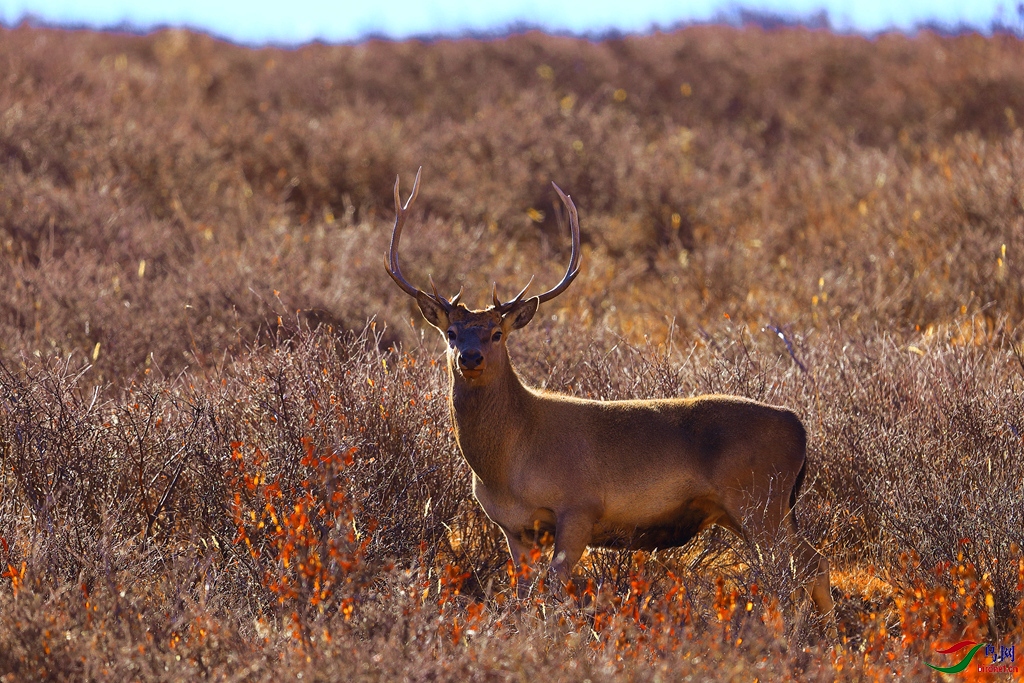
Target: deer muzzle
[{"x": 471, "y": 363}]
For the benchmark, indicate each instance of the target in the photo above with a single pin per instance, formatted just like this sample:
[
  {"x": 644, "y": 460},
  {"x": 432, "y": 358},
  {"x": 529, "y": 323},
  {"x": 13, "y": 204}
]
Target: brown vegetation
[{"x": 212, "y": 465}]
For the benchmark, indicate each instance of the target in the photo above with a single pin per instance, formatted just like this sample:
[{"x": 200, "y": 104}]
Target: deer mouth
[{"x": 471, "y": 374}]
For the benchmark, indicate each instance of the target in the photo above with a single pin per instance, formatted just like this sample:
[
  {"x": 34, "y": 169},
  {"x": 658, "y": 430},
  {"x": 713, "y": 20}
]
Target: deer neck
[{"x": 489, "y": 420}]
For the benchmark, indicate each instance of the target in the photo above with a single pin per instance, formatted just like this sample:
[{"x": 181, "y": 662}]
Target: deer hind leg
[
  {"x": 818, "y": 587},
  {"x": 767, "y": 523},
  {"x": 808, "y": 560}
]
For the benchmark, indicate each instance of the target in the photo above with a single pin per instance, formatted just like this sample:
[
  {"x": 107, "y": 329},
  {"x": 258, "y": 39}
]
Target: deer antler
[
  {"x": 391, "y": 258},
  {"x": 503, "y": 307},
  {"x": 570, "y": 273}
]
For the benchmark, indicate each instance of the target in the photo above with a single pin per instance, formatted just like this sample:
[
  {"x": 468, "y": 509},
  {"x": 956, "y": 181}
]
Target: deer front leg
[
  {"x": 519, "y": 551},
  {"x": 516, "y": 548}
]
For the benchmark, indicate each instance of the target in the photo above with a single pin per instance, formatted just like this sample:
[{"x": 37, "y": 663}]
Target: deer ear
[
  {"x": 521, "y": 314},
  {"x": 434, "y": 312}
]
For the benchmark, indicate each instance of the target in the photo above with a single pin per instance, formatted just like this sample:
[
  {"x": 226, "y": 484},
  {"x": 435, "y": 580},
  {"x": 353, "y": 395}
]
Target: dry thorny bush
[{"x": 224, "y": 443}]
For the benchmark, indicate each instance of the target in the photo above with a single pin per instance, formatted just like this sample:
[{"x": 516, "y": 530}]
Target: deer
[{"x": 636, "y": 474}]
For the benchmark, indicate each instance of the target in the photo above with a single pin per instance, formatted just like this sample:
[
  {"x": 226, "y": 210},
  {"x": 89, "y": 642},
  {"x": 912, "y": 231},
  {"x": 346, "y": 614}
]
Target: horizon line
[{"x": 737, "y": 17}]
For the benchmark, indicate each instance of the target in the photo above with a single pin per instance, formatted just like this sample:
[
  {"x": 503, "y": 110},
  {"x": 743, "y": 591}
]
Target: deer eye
[
  {"x": 451, "y": 335},
  {"x": 496, "y": 337}
]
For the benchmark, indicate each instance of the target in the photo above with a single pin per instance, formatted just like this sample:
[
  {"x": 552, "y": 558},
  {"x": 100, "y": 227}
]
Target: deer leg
[
  {"x": 519, "y": 551},
  {"x": 764, "y": 521},
  {"x": 516, "y": 548},
  {"x": 818, "y": 587},
  {"x": 573, "y": 531}
]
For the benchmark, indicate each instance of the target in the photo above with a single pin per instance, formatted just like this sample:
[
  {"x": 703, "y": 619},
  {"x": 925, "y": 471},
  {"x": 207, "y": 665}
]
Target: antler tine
[
  {"x": 574, "y": 258},
  {"x": 503, "y": 307},
  {"x": 449, "y": 304},
  {"x": 391, "y": 258},
  {"x": 415, "y": 189}
]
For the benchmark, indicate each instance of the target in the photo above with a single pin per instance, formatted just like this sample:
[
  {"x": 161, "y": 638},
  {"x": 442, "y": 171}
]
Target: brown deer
[{"x": 641, "y": 474}]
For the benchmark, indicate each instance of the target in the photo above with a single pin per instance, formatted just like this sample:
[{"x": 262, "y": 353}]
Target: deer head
[{"x": 476, "y": 338}]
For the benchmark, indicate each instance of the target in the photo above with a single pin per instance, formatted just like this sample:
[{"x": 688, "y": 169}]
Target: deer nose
[{"x": 470, "y": 359}]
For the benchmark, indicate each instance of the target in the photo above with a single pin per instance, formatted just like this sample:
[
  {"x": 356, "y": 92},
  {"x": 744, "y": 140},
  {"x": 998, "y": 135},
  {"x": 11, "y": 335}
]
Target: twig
[
  {"x": 163, "y": 499},
  {"x": 788, "y": 343}
]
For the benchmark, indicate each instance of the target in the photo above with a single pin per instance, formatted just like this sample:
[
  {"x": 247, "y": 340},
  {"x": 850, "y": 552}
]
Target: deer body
[
  {"x": 641, "y": 474},
  {"x": 637, "y": 474}
]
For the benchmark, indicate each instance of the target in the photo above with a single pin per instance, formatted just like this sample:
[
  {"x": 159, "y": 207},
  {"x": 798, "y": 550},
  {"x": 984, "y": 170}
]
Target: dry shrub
[{"x": 212, "y": 465}]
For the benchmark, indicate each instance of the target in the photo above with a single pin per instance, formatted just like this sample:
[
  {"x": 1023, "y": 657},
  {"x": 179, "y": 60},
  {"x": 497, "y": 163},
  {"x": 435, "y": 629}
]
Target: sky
[{"x": 258, "y": 22}]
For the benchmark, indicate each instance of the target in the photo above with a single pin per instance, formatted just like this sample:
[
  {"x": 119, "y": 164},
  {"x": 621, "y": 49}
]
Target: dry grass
[{"x": 213, "y": 466}]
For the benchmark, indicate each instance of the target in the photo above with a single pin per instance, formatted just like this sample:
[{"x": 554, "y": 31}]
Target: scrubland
[{"x": 225, "y": 449}]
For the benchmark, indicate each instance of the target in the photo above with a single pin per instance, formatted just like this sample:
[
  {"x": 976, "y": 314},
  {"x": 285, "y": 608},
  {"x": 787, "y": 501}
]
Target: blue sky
[{"x": 297, "y": 21}]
